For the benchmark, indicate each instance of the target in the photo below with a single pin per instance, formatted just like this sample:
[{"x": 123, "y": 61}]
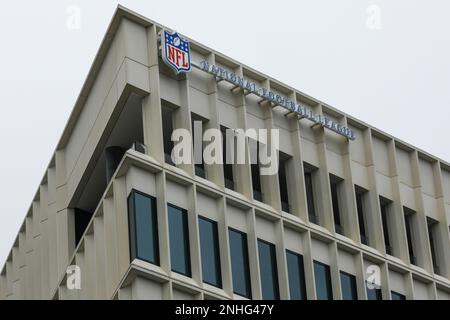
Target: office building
[{"x": 348, "y": 206}]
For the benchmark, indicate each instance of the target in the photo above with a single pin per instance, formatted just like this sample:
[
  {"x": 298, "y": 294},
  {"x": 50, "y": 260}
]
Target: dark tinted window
[
  {"x": 323, "y": 281},
  {"x": 409, "y": 216},
  {"x": 384, "y": 205},
  {"x": 397, "y": 296},
  {"x": 373, "y": 293},
  {"x": 197, "y": 127},
  {"x": 179, "y": 240},
  {"x": 239, "y": 263},
  {"x": 360, "y": 196},
  {"x": 166, "y": 115},
  {"x": 209, "y": 244},
  {"x": 432, "y": 226},
  {"x": 348, "y": 286},
  {"x": 82, "y": 219},
  {"x": 334, "y": 185},
  {"x": 256, "y": 178},
  {"x": 268, "y": 270},
  {"x": 282, "y": 179},
  {"x": 296, "y": 275},
  {"x": 143, "y": 227},
  {"x": 310, "y": 196},
  {"x": 227, "y": 167}
]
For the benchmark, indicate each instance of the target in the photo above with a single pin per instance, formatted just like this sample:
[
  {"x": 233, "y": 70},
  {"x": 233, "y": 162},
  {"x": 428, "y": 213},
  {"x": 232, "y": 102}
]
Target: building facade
[{"x": 354, "y": 214}]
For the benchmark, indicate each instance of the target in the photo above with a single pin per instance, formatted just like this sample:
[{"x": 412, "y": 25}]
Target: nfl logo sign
[{"x": 176, "y": 52}]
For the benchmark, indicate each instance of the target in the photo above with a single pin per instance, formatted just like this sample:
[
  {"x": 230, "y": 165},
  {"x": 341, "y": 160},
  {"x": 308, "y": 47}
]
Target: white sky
[{"x": 396, "y": 77}]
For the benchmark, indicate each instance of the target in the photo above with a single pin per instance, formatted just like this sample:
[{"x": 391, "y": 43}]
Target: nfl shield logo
[{"x": 176, "y": 52}]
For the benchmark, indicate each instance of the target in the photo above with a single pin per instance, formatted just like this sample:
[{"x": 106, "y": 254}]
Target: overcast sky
[{"x": 384, "y": 62}]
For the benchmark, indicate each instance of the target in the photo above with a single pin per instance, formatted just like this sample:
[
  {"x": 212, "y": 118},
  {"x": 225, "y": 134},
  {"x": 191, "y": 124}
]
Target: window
[
  {"x": 209, "y": 245},
  {"x": 432, "y": 229},
  {"x": 348, "y": 286},
  {"x": 166, "y": 114},
  {"x": 227, "y": 167},
  {"x": 82, "y": 219},
  {"x": 179, "y": 240},
  {"x": 142, "y": 217},
  {"x": 323, "y": 281},
  {"x": 335, "y": 185},
  {"x": 373, "y": 293},
  {"x": 296, "y": 275},
  {"x": 197, "y": 139},
  {"x": 282, "y": 179},
  {"x": 384, "y": 206},
  {"x": 240, "y": 270},
  {"x": 256, "y": 173},
  {"x": 309, "y": 188},
  {"x": 397, "y": 296},
  {"x": 268, "y": 270},
  {"x": 409, "y": 216},
  {"x": 360, "y": 201}
]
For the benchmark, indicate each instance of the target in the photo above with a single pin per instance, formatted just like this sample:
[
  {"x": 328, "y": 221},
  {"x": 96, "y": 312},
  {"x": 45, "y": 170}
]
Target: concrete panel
[
  {"x": 170, "y": 89},
  {"x": 306, "y": 131},
  {"x": 285, "y": 142},
  {"x": 384, "y": 185},
  {"x": 358, "y": 147},
  {"x": 135, "y": 41},
  {"x": 447, "y": 209},
  {"x": 397, "y": 282},
  {"x": 199, "y": 103},
  {"x": 335, "y": 164},
  {"x": 182, "y": 295},
  {"x": 94, "y": 102},
  {"x": 199, "y": 80},
  {"x": 405, "y": 168},
  {"x": 254, "y": 122},
  {"x": 346, "y": 262},
  {"x": 237, "y": 218},
  {"x": 310, "y": 152},
  {"x": 141, "y": 180},
  {"x": 381, "y": 156},
  {"x": 443, "y": 295},
  {"x": 430, "y": 207},
  {"x": 335, "y": 142},
  {"x": 427, "y": 177},
  {"x": 279, "y": 119},
  {"x": 446, "y": 183},
  {"x": 224, "y": 94},
  {"x": 145, "y": 289},
  {"x": 265, "y": 230},
  {"x": 408, "y": 196},
  {"x": 421, "y": 290},
  {"x": 227, "y": 115},
  {"x": 177, "y": 195},
  {"x": 319, "y": 251},
  {"x": 360, "y": 175},
  {"x": 207, "y": 207},
  {"x": 253, "y": 107},
  {"x": 293, "y": 240}
]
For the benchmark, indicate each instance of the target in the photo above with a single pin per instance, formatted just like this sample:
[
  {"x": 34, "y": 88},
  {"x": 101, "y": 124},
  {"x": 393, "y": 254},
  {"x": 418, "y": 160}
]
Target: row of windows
[
  {"x": 310, "y": 175},
  {"x": 410, "y": 218},
  {"x": 144, "y": 243}
]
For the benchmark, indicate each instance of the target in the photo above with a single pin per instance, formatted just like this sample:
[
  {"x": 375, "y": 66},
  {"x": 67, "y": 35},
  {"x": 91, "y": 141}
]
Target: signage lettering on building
[{"x": 176, "y": 54}]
